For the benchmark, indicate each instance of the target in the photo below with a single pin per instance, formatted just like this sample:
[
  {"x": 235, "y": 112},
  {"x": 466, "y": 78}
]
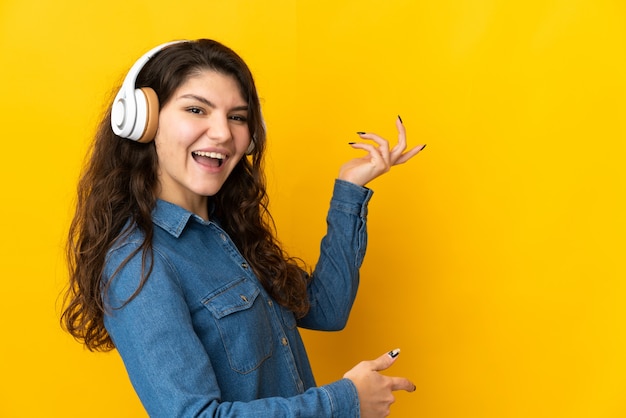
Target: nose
[{"x": 218, "y": 128}]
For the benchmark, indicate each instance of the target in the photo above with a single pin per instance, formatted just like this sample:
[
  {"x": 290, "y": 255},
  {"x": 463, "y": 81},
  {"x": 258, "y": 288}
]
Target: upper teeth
[{"x": 210, "y": 154}]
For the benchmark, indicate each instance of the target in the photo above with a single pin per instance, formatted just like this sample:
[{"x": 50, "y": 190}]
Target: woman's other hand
[
  {"x": 379, "y": 158},
  {"x": 376, "y": 390}
]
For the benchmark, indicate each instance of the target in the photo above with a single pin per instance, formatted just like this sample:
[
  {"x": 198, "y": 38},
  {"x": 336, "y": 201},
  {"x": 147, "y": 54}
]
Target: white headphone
[{"x": 135, "y": 112}]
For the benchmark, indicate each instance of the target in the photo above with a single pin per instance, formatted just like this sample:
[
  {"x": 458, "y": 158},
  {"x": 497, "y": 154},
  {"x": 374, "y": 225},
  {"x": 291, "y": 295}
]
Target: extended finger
[
  {"x": 385, "y": 361},
  {"x": 401, "y": 383},
  {"x": 409, "y": 154},
  {"x": 399, "y": 148}
]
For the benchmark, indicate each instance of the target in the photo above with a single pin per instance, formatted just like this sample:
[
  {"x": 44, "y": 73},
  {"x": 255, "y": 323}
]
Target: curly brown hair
[{"x": 118, "y": 187}]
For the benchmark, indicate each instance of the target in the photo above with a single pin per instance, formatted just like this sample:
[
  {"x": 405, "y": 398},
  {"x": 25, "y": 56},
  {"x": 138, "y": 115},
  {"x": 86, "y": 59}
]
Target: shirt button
[
  {"x": 284, "y": 341},
  {"x": 269, "y": 302},
  {"x": 223, "y": 237},
  {"x": 244, "y": 298},
  {"x": 244, "y": 265}
]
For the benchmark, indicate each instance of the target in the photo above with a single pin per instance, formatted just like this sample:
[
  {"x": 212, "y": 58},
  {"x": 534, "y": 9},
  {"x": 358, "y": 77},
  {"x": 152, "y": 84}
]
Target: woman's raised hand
[
  {"x": 379, "y": 158},
  {"x": 376, "y": 390}
]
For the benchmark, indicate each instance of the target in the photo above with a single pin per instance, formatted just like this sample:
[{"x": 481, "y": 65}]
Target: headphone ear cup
[
  {"x": 145, "y": 122},
  {"x": 124, "y": 115},
  {"x": 151, "y": 119},
  {"x": 251, "y": 146}
]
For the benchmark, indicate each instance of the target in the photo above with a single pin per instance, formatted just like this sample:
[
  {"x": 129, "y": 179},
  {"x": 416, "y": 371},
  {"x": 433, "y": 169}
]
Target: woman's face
[{"x": 202, "y": 135}]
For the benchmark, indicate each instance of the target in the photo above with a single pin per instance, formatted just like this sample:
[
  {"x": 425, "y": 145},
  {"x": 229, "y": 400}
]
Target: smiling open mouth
[{"x": 211, "y": 159}]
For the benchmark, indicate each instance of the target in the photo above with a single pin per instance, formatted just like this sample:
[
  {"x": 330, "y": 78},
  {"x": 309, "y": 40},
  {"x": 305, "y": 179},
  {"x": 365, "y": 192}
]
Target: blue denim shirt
[{"x": 204, "y": 339}]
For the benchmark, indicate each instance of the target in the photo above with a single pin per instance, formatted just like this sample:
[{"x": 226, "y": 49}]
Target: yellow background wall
[{"x": 496, "y": 258}]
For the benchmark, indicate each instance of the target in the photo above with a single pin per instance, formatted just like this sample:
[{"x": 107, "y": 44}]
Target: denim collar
[{"x": 172, "y": 218}]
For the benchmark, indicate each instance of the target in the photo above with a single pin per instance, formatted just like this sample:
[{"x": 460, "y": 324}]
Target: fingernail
[
  {"x": 394, "y": 353},
  {"x": 423, "y": 146},
  {"x": 360, "y": 133},
  {"x": 351, "y": 143},
  {"x": 414, "y": 388},
  {"x": 400, "y": 119}
]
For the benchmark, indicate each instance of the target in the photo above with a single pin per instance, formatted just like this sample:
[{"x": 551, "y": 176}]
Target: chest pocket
[{"x": 243, "y": 323}]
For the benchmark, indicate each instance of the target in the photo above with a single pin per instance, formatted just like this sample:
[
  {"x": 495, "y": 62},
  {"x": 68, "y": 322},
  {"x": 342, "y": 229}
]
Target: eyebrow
[{"x": 209, "y": 103}]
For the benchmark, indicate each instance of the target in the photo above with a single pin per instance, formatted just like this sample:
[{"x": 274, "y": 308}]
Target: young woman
[{"x": 173, "y": 260}]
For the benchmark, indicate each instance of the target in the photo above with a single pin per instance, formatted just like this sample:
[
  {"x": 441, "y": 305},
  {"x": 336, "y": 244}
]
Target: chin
[{"x": 208, "y": 192}]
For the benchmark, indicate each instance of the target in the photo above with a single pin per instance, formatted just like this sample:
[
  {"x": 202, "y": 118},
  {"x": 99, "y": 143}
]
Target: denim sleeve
[
  {"x": 167, "y": 363},
  {"x": 336, "y": 276}
]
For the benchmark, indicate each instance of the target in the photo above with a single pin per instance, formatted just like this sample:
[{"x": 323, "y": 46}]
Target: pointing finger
[
  {"x": 385, "y": 361},
  {"x": 400, "y": 383},
  {"x": 409, "y": 154},
  {"x": 397, "y": 150}
]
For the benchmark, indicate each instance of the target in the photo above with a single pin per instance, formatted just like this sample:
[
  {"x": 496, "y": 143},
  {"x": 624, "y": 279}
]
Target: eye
[
  {"x": 239, "y": 118},
  {"x": 195, "y": 110}
]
